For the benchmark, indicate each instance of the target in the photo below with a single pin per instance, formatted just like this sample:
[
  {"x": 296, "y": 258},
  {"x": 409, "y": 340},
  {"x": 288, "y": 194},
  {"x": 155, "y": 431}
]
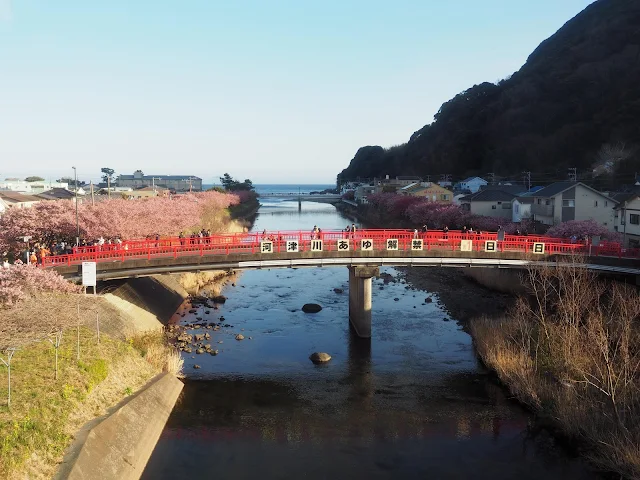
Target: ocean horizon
[{"x": 283, "y": 188}]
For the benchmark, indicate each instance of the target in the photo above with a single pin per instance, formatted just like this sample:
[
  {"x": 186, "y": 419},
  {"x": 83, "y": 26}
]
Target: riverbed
[{"x": 413, "y": 402}]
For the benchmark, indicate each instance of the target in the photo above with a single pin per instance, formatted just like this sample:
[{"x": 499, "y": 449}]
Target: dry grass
[
  {"x": 211, "y": 282},
  {"x": 571, "y": 350},
  {"x": 45, "y": 413}
]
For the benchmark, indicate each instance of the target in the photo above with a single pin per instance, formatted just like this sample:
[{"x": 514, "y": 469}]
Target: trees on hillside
[{"x": 34, "y": 179}]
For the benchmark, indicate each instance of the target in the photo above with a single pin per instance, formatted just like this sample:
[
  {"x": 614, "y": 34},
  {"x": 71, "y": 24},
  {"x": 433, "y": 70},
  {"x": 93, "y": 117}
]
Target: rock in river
[
  {"x": 428, "y": 300},
  {"x": 219, "y": 299},
  {"x": 239, "y": 337},
  {"x": 319, "y": 357},
  {"x": 311, "y": 308},
  {"x": 338, "y": 290}
]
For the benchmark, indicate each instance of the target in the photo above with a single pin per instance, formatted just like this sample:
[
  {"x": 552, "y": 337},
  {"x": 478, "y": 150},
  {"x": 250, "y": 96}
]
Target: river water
[{"x": 411, "y": 403}]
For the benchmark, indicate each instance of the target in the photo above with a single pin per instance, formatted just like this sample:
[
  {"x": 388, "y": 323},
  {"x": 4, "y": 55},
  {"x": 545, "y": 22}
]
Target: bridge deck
[{"x": 301, "y": 249}]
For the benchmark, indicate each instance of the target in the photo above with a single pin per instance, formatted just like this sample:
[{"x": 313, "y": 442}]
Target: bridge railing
[{"x": 250, "y": 243}]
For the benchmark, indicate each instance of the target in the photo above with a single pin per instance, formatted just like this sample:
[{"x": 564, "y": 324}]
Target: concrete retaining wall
[
  {"x": 498, "y": 279},
  {"x": 120, "y": 446}
]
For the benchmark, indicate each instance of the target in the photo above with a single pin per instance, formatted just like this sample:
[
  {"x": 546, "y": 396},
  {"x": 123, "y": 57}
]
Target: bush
[{"x": 582, "y": 228}]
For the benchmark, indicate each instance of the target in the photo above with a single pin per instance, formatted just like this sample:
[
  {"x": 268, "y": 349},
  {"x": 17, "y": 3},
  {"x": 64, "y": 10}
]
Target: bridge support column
[{"x": 360, "y": 299}]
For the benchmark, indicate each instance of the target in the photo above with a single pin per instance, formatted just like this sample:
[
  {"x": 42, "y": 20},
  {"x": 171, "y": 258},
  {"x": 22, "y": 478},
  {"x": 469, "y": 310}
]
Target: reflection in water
[{"x": 411, "y": 402}]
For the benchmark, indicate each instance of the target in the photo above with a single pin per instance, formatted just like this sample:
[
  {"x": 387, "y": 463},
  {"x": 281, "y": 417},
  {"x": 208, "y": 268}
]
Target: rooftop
[
  {"x": 489, "y": 196},
  {"x": 15, "y": 197}
]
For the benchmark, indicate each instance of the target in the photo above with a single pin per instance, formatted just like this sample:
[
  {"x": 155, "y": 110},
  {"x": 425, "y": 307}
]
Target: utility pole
[
  {"x": 446, "y": 177},
  {"x": 527, "y": 180},
  {"x": 75, "y": 173},
  {"x": 492, "y": 178},
  {"x": 428, "y": 178},
  {"x": 93, "y": 201},
  {"x": 573, "y": 174}
]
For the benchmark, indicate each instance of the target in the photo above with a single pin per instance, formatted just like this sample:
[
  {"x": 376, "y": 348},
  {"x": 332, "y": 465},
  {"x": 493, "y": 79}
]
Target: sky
[{"x": 278, "y": 91}]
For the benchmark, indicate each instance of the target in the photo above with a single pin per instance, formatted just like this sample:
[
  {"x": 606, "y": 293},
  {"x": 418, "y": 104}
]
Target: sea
[{"x": 284, "y": 188}]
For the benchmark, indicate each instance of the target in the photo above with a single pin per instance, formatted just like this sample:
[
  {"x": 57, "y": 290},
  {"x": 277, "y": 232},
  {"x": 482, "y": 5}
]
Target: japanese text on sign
[
  {"x": 343, "y": 245},
  {"x": 266, "y": 247},
  {"x": 316, "y": 245},
  {"x": 392, "y": 244},
  {"x": 292, "y": 245},
  {"x": 416, "y": 244},
  {"x": 466, "y": 245},
  {"x": 538, "y": 248},
  {"x": 366, "y": 244},
  {"x": 490, "y": 246},
  {"x": 89, "y": 274}
]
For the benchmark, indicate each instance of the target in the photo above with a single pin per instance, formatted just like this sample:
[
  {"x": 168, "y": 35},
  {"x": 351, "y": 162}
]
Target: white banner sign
[
  {"x": 89, "y": 274},
  {"x": 416, "y": 244},
  {"x": 466, "y": 245},
  {"x": 366, "y": 244}
]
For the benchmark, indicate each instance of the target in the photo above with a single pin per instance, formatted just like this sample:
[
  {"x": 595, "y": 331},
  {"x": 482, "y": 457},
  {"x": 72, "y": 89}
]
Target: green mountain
[{"x": 575, "y": 103}]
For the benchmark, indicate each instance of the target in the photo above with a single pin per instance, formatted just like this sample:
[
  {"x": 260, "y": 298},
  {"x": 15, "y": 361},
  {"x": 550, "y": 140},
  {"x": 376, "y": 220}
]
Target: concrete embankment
[{"x": 120, "y": 445}]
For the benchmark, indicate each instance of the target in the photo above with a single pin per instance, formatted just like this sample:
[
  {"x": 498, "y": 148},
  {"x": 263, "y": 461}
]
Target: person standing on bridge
[{"x": 353, "y": 230}]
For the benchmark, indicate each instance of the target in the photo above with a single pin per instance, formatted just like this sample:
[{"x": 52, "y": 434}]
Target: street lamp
[{"x": 75, "y": 173}]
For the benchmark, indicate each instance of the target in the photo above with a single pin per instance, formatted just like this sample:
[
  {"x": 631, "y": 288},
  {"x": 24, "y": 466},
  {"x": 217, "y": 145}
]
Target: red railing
[{"x": 250, "y": 243}]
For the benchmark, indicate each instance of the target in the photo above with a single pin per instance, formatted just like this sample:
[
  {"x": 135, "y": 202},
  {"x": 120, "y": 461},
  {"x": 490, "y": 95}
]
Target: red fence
[{"x": 250, "y": 243}]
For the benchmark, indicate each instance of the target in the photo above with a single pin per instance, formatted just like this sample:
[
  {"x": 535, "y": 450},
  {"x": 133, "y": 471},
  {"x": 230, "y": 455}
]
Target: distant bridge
[
  {"x": 306, "y": 197},
  {"x": 362, "y": 252}
]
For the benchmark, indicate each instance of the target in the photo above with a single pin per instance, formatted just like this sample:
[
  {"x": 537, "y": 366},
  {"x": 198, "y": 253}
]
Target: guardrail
[{"x": 251, "y": 243}]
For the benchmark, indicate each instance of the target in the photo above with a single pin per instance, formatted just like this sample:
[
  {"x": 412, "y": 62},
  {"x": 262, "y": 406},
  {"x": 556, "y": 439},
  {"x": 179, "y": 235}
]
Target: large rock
[
  {"x": 239, "y": 337},
  {"x": 219, "y": 299},
  {"x": 311, "y": 308},
  {"x": 338, "y": 290},
  {"x": 319, "y": 357}
]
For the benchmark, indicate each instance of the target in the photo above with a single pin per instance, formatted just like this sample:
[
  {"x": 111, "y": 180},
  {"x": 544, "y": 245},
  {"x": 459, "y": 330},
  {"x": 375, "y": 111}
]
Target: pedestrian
[
  {"x": 5, "y": 263},
  {"x": 353, "y": 230},
  {"x": 33, "y": 258},
  {"x": 415, "y": 233},
  {"x": 181, "y": 238},
  {"x": 424, "y": 228}
]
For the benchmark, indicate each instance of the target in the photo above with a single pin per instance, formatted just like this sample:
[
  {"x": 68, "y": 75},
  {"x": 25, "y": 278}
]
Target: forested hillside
[{"x": 575, "y": 103}]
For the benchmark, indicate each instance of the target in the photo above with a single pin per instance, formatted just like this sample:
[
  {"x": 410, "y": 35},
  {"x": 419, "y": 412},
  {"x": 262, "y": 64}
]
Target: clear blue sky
[{"x": 278, "y": 91}]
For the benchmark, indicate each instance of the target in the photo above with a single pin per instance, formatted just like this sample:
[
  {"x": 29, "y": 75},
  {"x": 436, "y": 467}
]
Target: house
[
  {"x": 56, "y": 194},
  {"x": 627, "y": 219},
  {"x": 146, "y": 192},
  {"x": 521, "y": 209},
  {"x": 178, "y": 183},
  {"x": 564, "y": 201},
  {"x": 473, "y": 184},
  {"x": 31, "y": 188},
  {"x": 362, "y": 191},
  {"x": 412, "y": 187},
  {"x": 3, "y": 206},
  {"x": 489, "y": 202},
  {"x": 433, "y": 193},
  {"x": 18, "y": 200}
]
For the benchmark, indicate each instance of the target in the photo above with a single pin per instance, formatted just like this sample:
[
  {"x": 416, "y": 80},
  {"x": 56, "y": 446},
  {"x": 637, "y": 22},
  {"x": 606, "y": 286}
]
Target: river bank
[
  {"x": 85, "y": 355},
  {"x": 566, "y": 363}
]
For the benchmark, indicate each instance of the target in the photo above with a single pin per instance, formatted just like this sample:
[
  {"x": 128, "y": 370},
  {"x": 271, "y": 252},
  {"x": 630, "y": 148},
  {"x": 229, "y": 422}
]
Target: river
[{"x": 411, "y": 403}]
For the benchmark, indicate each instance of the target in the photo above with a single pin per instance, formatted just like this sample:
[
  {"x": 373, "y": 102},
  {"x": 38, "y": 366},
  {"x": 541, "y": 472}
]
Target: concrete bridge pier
[{"x": 360, "y": 299}]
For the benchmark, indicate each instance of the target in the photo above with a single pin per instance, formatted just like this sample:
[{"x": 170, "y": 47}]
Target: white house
[
  {"x": 18, "y": 200},
  {"x": 521, "y": 209},
  {"x": 473, "y": 184},
  {"x": 3, "y": 206},
  {"x": 30, "y": 187},
  {"x": 627, "y": 219},
  {"x": 564, "y": 201}
]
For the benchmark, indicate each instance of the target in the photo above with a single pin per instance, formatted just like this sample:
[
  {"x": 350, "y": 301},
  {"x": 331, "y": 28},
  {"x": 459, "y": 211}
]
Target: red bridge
[{"x": 363, "y": 252}]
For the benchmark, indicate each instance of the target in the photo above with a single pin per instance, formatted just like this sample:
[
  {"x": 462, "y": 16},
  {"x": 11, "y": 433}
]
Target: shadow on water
[{"x": 412, "y": 402}]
